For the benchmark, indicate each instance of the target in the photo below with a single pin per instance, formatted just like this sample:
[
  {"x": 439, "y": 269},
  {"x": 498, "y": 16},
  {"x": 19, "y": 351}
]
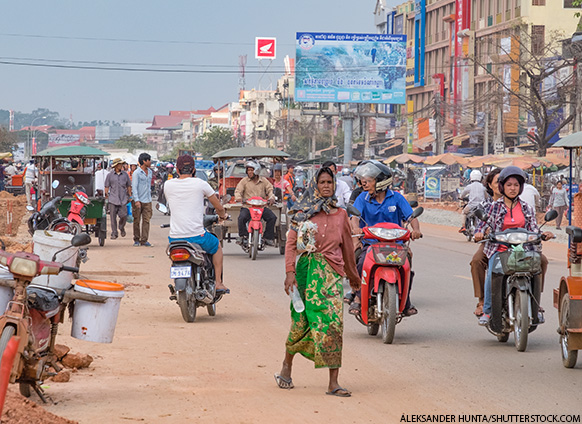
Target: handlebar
[
  {"x": 165, "y": 226},
  {"x": 73, "y": 269}
]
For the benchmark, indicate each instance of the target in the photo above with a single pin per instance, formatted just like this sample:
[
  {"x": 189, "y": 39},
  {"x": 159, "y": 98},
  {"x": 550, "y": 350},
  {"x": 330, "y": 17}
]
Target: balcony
[
  {"x": 498, "y": 18},
  {"x": 489, "y": 20},
  {"x": 517, "y": 12},
  {"x": 508, "y": 15}
]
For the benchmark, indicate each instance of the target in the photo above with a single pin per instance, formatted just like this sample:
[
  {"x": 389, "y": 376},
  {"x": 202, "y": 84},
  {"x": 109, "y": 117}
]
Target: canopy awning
[
  {"x": 571, "y": 141},
  {"x": 447, "y": 159},
  {"x": 249, "y": 152},
  {"x": 74, "y": 151},
  {"x": 404, "y": 158}
]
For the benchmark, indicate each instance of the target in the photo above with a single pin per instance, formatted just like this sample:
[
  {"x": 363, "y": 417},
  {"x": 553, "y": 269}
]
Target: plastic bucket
[
  {"x": 46, "y": 244},
  {"x": 92, "y": 321}
]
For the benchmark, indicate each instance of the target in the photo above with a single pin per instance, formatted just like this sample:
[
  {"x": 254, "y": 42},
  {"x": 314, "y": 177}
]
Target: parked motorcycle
[
  {"x": 193, "y": 274},
  {"x": 78, "y": 206},
  {"x": 255, "y": 241},
  {"x": 386, "y": 276},
  {"x": 29, "y": 326},
  {"x": 49, "y": 217},
  {"x": 516, "y": 283}
]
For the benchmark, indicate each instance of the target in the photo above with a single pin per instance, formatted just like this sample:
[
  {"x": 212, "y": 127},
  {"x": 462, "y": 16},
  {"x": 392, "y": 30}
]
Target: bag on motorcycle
[
  {"x": 520, "y": 261},
  {"x": 42, "y": 299}
]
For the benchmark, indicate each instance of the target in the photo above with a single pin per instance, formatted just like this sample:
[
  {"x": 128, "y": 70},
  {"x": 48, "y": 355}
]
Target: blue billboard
[{"x": 350, "y": 68}]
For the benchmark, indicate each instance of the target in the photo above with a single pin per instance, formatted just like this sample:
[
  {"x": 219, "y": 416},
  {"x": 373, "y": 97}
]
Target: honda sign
[{"x": 265, "y": 47}]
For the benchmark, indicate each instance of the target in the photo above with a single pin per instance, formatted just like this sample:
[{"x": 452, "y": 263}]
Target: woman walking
[
  {"x": 559, "y": 202},
  {"x": 321, "y": 234}
]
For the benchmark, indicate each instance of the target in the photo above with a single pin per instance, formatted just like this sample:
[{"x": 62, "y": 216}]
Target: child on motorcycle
[
  {"x": 379, "y": 204},
  {"x": 509, "y": 211}
]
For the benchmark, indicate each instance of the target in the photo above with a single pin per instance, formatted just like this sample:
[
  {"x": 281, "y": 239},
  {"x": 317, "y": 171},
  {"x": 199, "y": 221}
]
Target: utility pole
[
  {"x": 366, "y": 135},
  {"x": 486, "y": 136},
  {"x": 499, "y": 144},
  {"x": 439, "y": 147}
]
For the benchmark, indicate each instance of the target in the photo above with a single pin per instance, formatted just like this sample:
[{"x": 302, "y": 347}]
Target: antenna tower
[
  {"x": 242, "y": 63},
  {"x": 11, "y": 127}
]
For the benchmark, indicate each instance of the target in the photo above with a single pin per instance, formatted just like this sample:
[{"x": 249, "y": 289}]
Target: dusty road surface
[{"x": 220, "y": 369}]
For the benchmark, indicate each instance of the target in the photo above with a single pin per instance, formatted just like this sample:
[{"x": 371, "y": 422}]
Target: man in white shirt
[
  {"x": 475, "y": 192},
  {"x": 100, "y": 176},
  {"x": 185, "y": 198},
  {"x": 30, "y": 177},
  {"x": 530, "y": 195},
  {"x": 342, "y": 191}
]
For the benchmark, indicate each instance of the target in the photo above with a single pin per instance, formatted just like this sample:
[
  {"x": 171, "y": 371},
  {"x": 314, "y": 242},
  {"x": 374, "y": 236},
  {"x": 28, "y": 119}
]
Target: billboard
[
  {"x": 60, "y": 140},
  {"x": 350, "y": 68},
  {"x": 265, "y": 47}
]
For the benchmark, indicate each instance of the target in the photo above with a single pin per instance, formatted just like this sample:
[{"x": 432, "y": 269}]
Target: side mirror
[
  {"x": 413, "y": 204},
  {"x": 81, "y": 240},
  {"x": 480, "y": 213},
  {"x": 226, "y": 199},
  {"x": 55, "y": 184},
  {"x": 416, "y": 213},
  {"x": 550, "y": 215},
  {"x": 162, "y": 208},
  {"x": 29, "y": 208},
  {"x": 353, "y": 211},
  {"x": 71, "y": 179}
]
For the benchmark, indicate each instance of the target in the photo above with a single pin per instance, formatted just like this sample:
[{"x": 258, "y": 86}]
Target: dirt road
[{"x": 220, "y": 369}]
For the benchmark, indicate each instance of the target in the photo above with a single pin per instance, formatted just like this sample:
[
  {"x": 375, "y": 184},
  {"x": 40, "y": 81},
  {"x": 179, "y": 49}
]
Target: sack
[{"x": 520, "y": 261}]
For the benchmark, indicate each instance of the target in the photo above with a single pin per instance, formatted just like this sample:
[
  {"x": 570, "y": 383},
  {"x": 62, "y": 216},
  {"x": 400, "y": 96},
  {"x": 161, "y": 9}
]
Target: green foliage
[
  {"x": 214, "y": 141},
  {"x": 7, "y": 140},
  {"x": 173, "y": 154},
  {"x": 131, "y": 143}
]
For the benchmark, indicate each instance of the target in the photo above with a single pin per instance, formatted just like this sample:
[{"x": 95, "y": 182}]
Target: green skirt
[{"x": 317, "y": 332}]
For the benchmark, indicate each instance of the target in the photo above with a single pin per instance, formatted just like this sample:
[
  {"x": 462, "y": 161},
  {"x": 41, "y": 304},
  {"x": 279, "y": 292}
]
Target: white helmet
[
  {"x": 299, "y": 168},
  {"x": 346, "y": 171},
  {"x": 252, "y": 164},
  {"x": 475, "y": 175}
]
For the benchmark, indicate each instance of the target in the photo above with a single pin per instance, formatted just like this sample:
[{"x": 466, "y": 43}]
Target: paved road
[{"x": 220, "y": 369}]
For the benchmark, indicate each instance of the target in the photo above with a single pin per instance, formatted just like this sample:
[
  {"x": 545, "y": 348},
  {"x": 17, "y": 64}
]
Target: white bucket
[
  {"x": 92, "y": 321},
  {"x": 6, "y": 293},
  {"x": 46, "y": 244}
]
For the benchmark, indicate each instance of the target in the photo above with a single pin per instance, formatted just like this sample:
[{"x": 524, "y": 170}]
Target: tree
[
  {"x": 7, "y": 140},
  {"x": 214, "y": 141},
  {"x": 131, "y": 143},
  {"x": 545, "y": 83}
]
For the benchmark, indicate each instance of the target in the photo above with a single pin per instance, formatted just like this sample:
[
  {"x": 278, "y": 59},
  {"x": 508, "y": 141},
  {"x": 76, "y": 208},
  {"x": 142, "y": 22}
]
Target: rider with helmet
[
  {"x": 253, "y": 185},
  {"x": 282, "y": 184},
  {"x": 377, "y": 203},
  {"x": 476, "y": 193},
  {"x": 509, "y": 211}
]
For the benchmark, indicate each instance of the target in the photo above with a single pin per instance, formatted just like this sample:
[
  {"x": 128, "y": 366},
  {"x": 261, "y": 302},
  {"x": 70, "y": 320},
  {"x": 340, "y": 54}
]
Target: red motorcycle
[
  {"x": 78, "y": 209},
  {"x": 385, "y": 276},
  {"x": 255, "y": 241}
]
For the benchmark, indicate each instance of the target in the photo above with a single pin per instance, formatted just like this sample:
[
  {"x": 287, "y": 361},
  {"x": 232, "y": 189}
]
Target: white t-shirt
[
  {"x": 185, "y": 198},
  {"x": 100, "y": 177},
  {"x": 530, "y": 195},
  {"x": 342, "y": 193}
]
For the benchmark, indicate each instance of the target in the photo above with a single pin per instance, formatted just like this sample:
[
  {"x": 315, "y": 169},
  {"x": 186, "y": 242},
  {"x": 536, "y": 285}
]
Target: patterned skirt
[{"x": 317, "y": 332}]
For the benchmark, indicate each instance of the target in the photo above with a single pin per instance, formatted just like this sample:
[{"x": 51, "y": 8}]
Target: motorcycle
[
  {"x": 49, "y": 217},
  {"x": 193, "y": 274},
  {"x": 516, "y": 283},
  {"x": 470, "y": 219},
  {"x": 386, "y": 276},
  {"x": 255, "y": 240},
  {"x": 78, "y": 207},
  {"x": 29, "y": 325}
]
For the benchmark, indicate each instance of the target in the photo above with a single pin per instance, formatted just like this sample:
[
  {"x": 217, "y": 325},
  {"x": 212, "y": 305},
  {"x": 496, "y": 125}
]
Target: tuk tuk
[
  {"x": 568, "y": 295},
  {"x": 74, "y": 166},
  {"x": 229, "y": 183}
]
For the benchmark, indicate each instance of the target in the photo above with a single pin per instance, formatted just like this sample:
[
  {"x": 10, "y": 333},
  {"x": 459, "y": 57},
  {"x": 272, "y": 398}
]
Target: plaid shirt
[{"x": 496, "y": 214}]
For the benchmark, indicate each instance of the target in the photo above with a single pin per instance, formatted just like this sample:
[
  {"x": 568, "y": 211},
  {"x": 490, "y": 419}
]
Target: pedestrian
[
  {"x": 100, "y": 176},
  {"x": 30, "y": 178},
  {"x": 530, "y": 195},
  {"x": 559, "y": 202},
  {"x": 320, "y": 233},
  {"x": 118, "y": 191},
  {"x": 342, "y": 190},
  {"x": 10, "y": 171},
  {"x": 142, "y": 201}
]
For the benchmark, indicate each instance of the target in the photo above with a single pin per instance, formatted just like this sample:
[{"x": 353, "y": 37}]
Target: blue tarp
[{"x": 204, "y": 164}]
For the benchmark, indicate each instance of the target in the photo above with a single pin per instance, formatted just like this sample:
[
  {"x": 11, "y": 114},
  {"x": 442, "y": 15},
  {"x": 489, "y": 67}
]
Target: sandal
[
  {"x": 340, "y": 392},
  {"x": 479, "y": 309},
  {"x": 410, "y": 311},
  {"x": 284, "y": 383},
  {"x": 355, "y": 308}
]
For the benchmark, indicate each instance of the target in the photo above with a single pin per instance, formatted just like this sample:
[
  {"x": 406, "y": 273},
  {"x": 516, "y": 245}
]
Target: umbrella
[
  {"x": 479, "y": 161},
  {"x": 404, "y": 158},
  {"x": 447, "y": 159}
]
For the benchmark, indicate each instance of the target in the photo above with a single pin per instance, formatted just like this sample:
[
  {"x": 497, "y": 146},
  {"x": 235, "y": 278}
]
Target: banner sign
[
  {"x": 432, "y": 185},
  {"x": 350, "y": 68},
  {"x": 64, "y": 140}
]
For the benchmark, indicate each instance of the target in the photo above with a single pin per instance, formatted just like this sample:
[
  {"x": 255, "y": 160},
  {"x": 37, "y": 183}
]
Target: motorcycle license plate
[{"x": 180, "y": 272}]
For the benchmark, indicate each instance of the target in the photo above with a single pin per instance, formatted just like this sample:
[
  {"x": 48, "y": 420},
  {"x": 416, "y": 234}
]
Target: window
[
  {"x": 539, "y": 2},
  {"x": 568, "y": 4},
  {"x": 537, "y": 39}
]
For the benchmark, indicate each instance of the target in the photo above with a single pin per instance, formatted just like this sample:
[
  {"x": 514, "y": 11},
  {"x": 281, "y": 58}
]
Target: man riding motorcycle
[
  {"x": 476, "y": 192},
  {"x": 185, "y": 198},
  {"x": 379, "y": 204},
  {"x": 254, "y": 185}
]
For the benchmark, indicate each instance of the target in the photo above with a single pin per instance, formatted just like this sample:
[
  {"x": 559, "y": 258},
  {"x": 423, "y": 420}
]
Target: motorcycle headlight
[
  {"x": 256, "y": 202},
  {"x": 387, "y": 234},
  {"x": 24, "y": 267},
  {"x": 515, "y": 238}
]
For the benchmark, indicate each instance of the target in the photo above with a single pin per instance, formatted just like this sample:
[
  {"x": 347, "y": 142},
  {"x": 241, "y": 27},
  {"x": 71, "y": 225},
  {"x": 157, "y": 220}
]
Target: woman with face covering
[
  {"x": 509, "y": 211},
  {"x": 321, "y": 235}
]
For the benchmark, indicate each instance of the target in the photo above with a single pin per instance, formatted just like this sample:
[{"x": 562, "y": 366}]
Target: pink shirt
[{"x": 333, "y": 240}]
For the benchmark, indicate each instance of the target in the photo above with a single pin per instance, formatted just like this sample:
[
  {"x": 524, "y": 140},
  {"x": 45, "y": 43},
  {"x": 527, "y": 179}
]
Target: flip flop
[
  {"x": 284, "y": 383},
  {"x": 336, "y": 392},
  {"x": 355, "y": 308},
  {"x": 222, "y": 291}
]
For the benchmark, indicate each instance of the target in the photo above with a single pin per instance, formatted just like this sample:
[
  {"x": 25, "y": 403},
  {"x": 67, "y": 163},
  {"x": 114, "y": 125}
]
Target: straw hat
[{"x": 117, "y": 161}]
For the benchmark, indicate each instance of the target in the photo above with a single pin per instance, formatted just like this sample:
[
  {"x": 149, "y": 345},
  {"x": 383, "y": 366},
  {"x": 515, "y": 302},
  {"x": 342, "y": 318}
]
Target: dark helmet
[
  {"x": 376, "y": 170},
  {"x": 509, "y": 172},
  {"x": 278, "y": 167}
]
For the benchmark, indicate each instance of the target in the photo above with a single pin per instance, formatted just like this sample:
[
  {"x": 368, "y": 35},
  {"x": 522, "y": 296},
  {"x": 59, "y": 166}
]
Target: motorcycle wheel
[
  {"x": 569, "y": 357},
  {"x": 211, "y": 309},
  {"x": 389, "y": 312},
  {"x": 187, "y": 302},
  {"x": 254, "y": 247},
  {"x": 520, "y": 306},
  {"x": 24, "y": 389},
  {"x": 76, "y": 228},
  {"x": 373, "y": 329},
  {"x": 102, "y": 237}
]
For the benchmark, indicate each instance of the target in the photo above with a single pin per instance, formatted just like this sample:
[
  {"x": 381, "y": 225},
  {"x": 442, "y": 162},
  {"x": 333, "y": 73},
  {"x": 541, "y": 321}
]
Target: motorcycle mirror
[
  {"x": 55, "y": 184},
  {"x": 162, "y": 208},
  {"x": 416, "y": 213},
  {"x": 226, "y": 199},
  {"x": 353, "y": 211},
  {"x": 550, "y": 215},
  {"x": 413, "y": 204},
  {"x": 71, "y": 179},
  {"x": 81, "y": 240},
  {"x": 29, "y": 208},
  {"x": 480, "y": 213}
]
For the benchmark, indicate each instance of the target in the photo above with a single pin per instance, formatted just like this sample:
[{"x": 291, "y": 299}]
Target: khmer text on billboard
[{"x": 350, "y": 68}]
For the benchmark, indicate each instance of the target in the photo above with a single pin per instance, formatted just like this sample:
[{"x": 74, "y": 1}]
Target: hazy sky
[{"x": 205, "y": 35}]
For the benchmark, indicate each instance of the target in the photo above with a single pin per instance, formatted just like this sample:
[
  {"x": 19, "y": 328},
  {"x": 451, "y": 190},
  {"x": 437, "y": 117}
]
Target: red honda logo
[{"x": 265, "y": 47}]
